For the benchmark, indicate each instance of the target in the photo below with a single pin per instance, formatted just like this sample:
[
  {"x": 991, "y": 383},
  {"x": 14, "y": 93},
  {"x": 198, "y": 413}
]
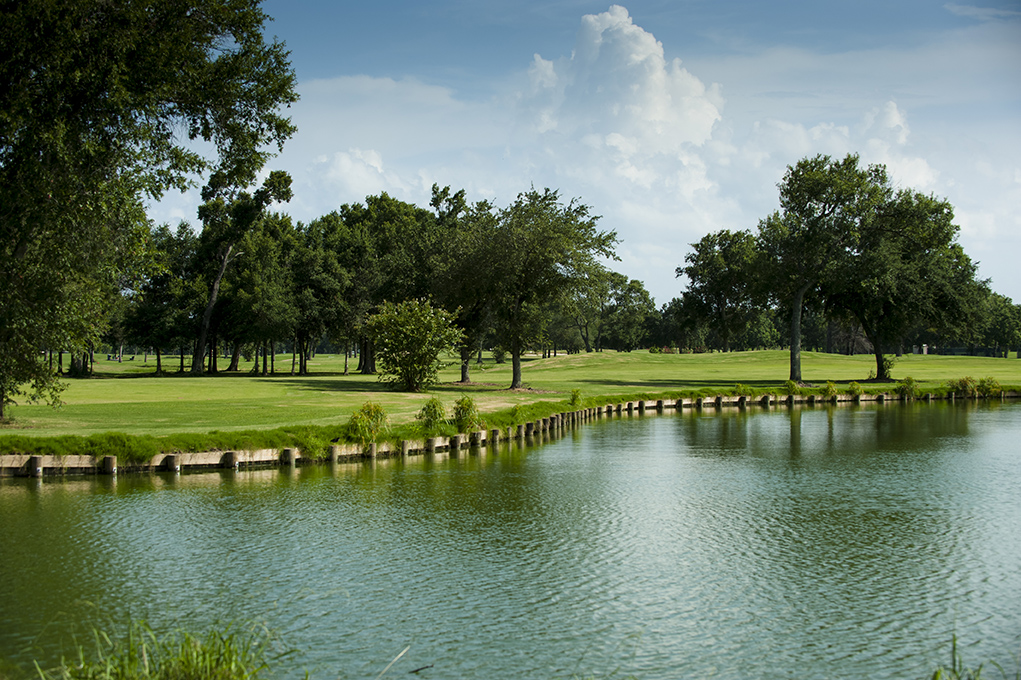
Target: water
[{"x": 821, "y": 543}]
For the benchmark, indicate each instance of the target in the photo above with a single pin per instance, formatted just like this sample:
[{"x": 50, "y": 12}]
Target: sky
[{"x": 669, "y": 118}]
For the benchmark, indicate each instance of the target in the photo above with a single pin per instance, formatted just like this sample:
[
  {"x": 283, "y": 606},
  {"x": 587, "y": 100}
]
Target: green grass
[{"x": 127, "y": 398}]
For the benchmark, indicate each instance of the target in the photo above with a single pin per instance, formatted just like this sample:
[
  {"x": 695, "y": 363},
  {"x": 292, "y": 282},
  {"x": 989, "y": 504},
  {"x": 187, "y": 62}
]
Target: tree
[
  {"x": 629, "y": 309},
  {"x": 824, "y": 207},
  {"x": 409, "y": 338},
  {"x": 100, "y": 105},
  {"x": 227, "y": 218},
  {"x": 906, "y": 270},
  {"x": 157, "y": 315},
  {"x": 1002, "y": 323},
  {"x": 723, "y": 290}
]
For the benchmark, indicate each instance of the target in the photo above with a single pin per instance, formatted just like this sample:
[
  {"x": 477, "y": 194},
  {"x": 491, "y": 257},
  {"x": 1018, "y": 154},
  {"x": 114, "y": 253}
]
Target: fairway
[{"x": 127, "y": 397}]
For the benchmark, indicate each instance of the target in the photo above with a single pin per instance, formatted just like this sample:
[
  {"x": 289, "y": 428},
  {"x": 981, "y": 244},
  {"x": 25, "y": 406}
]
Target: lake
[{"x": 819, "y": 542}]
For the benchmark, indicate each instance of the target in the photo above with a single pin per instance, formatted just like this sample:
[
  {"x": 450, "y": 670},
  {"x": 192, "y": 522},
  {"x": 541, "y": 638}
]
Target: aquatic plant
[{"x": 231, "y": 653}]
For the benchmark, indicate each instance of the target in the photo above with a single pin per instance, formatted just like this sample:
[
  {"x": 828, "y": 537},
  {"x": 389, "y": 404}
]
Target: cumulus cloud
[{"x": 618, "y": 101}]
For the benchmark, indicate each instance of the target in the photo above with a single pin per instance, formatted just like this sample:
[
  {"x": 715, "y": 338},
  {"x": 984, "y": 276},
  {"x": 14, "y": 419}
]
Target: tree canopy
[{"x": 102, "y": 105}]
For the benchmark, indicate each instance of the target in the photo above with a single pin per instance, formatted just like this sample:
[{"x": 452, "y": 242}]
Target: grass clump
[
  {"x": 791, "y": 388},
  {"x": 368, "y": 423},
  {"x": 829, "y": 392},
  {"x": 963, "y": 387},
  {"x": 229, "y": 654},
  {"x": 467, "y": 417},
  {"x": 433, "y": 415},
  {"x": 989, "y": 387},
  {"x": 907, "y": 388}
]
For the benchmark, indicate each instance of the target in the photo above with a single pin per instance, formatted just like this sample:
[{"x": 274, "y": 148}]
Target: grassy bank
[{"x": 236, "y": 410}]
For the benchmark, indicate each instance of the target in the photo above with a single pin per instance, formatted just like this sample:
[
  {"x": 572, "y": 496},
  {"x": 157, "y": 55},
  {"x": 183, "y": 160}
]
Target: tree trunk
[
  {"x": 235, "y": 357},
  {"x": 294, "y": 354},
  {"x": 466, "y": 355},
  {"x": 200, "y": 346},
  {"x": 159, "y": 362},
  {"x": 265, "y": 352},
  {"x": 515, "y": 365},
  {"x": 796, "y": 304},
  {"x": 181, "y": 369},
  {"x": 347, "y": 353}
]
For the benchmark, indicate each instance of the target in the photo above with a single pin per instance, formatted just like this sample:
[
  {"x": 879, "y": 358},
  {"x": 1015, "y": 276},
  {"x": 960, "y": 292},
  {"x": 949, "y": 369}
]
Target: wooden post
[
  {"x": 109, "y": 465},
  {"x": 520, "y": 433},
  {"x": 371, "y": 453},
  {"x": 35, "y": 466},
  {"x": 659, "y": 405},
  {"x": 171, "y": 463},
  {"x": 405, "y": 448},
  {"x": 230, "y": 460},
  {"x": 430, "y": 445},
  {"x": 334, "y": 454},
  {"x": 289, "y": 457},
  {"x": 494, "y": 437}
]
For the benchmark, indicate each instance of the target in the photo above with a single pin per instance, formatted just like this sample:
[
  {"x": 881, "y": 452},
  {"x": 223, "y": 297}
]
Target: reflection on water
[{"x": 818, "y": 542}]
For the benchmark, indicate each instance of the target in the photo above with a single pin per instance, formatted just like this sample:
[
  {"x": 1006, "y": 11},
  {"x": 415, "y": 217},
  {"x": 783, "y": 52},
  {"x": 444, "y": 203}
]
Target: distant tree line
[
  {"x": 848, "y": 264},
  {"x": 530, "y": 276}
]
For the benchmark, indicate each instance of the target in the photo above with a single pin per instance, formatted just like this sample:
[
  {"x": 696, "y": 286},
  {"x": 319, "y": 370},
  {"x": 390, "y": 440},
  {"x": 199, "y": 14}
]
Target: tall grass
[{"x": 230, "y": 653}]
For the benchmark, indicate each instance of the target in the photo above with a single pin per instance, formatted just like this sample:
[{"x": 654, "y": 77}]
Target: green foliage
[
  {"x": 466, "y": 415},
  {"x": 312, "y": 445},
  {"x": 409, "y": 337},
  {"x": 907, "y": 388},
  {"x": 499, "y": 355},
  {"x": 576, "y": 398},
  {"x": 228, "y": 654},
  {"x": 128, "y": 449},
  {"x": 432, "y": 415},
  {"x": 830, "y": 391},
  {"x": 109, "y": 108},
  {"x": 791, "y": 388},
  {"x": 989, "y": 387},
  {"x": 854, "y": 389},
  {"x": 368, "y": 423},
  {"x": 741, "y": 389},
  {"x": 963, "y": 387}
]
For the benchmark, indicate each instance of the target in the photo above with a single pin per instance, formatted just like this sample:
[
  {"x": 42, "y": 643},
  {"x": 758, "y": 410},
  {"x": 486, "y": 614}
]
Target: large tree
[
  {"x": 825, "y": 205},
  {"x": 906, "y": 270},
  {"x": 723, "y": 288},
  {"x": 100, "y": 105},
  {"x": 542, "y": 249}
]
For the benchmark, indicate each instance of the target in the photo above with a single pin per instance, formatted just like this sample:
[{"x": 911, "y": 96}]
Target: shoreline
[{"x": 547, "y": 428}]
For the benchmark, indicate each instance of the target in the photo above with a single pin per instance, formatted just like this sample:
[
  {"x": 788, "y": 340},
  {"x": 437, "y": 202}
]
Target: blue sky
[{"x": 670, "y": 118}]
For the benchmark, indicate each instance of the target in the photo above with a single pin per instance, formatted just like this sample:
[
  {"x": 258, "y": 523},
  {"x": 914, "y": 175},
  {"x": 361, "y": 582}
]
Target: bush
[
  {"x": 410, "y": 336},
  {"x": 466, "y": 415},
  {"x": 854, "y": 389},
  {"x": 575, "y": 399},
  {"x": 830, "y": 391},
  {"x": 791, "y": 388},
  {"x": 907, "y": 388},
  {"x": 963, "y": 387},
  {"x": 368, "y": 423},
  {"x": 741, "y": 389},
  {"x": 989, "y": 387},
  {"x": 432, "y": 415}
]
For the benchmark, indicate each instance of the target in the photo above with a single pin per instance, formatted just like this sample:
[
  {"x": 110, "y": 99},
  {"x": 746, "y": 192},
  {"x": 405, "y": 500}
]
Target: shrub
[
  {"x": 741, "y": 389},
  {"x": 854, "y": 389},
  {"x": 575, "y": 399},
  {"x": 989, "y": 387},
  {"x": 410, "y": 336},
  {"x": 466, "y": 415},
  {"x": 907, "y": 388},
  {"x": 830, "y": 391},
  {"x": 963, "y": 387},
  {"x": 791, "y": 388},
  {"x": 433, "y": 414},
  {"x": 654, "y": 350},
  {"x": 368, "y": 423},
  {"x": 499, "y": 355}
]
